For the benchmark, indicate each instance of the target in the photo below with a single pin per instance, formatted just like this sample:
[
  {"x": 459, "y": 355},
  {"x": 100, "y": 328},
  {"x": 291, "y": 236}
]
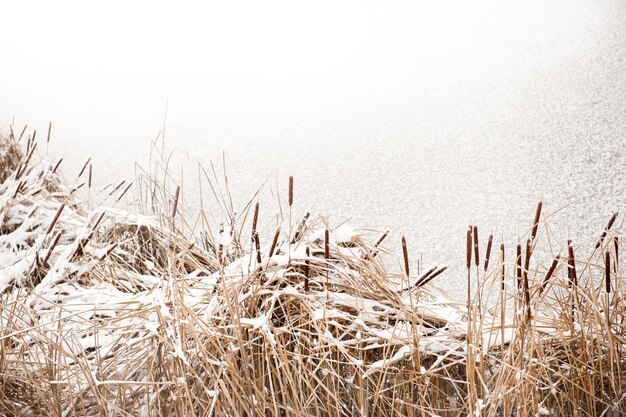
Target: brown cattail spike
[
  {"x": 326, "y": 244},
  {"x": 84, "y": 167},
  {"x": 274, "y": 242},
  {"x": 306, "y": 269},
  {"x": 502, "y": 266},
  {"x": 551, "y": 270},
  {"x": 257, "y": 244},
  {"x": 518, "y": 265},
  {"x": 405, "y": 253},
  {"x": 255, "y": 218},
  {"x": 525, "y": 281},
  {"x": 469, "y": 248},
  {"x": 55, "y": 219},
  {"x": 533, "y": 233},
  {"x": 175, "y": 205},
  {"x": 607, "y": 272},
  {"x": 606, "y": 230},
  {"x": 291, "y": 191},
  {"x": 616, "y": 247},
  {"x": 488, "y": 253},
  {"x": 571, "y": 271},
  {"x": 476, "y": 254}
]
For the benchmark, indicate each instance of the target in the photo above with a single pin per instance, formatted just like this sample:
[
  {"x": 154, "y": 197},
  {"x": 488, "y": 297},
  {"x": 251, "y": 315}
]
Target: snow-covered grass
[{"x": 119, "y": 313}]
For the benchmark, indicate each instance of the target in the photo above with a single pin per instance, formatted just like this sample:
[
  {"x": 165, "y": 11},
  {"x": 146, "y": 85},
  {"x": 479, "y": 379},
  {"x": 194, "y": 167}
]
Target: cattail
[
  {"x": 405, "y": 253},
  {"x": 22, "y": 134},
  {"x": 551, "y": 270},
  {"x": 476, "y": 254},
  {"x": 571, "y": 272},
  {"x": 607, "y": 272},
  {"x": 82, "y": 170},
  {"x": 502, "y": 266},
  {"x": 433, "y": 276},
  {"x": 89, "y": 177},
  {"x": 488, "y": 253},
  {"x": 616, "y": 247},
  {"x": 326, "y": 244},
  {"x": 533, "y": 233},
  {"x": 55, "y": 218},
  {"x": 124, "y": 192},
  {"x": 378, "y": 242},
  {"x": 469, "y": 248},
  {"x": 108, "y": 252},
  {"x": 526, "y": 286},
  {"x": 606, "y": 230},
  {"x": 57, "y": 165},
  {"x": 49, "y": 131},
  {"x": 425, "y": 276},
  {"x": 257, "y": 244},
  {"x": 306, "y": 269},
  {"x": 291, "y": 191},
  {"x": 255, "y": 218},
  {"x": 174, "y": 206},
  {"x": 52, "y": 246},
  {"x": 518, "y": 265},
  {"x": 274, "y": 242}
]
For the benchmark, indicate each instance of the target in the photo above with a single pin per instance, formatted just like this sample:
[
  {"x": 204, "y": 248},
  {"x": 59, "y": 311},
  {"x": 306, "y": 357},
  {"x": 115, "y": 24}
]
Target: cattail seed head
[
  {"x": 326, "y": 244},
  {"x": 291, "y": 191},
  {"x": 606, "y": 230},
  {"x": 274, "y": 242},
  {"x": 476, "y": 254},
  {"x": 488, "y": 252},
  {"x": 307, "y": 269},
  {"x": 616, "y": 247},
  {"x": 533, "y": 233},
  {"x": 502, "y": 266},
  {"x": 175, "y": 201},
  {"x": 518, "y": 264},
  {"x": 571, "y": 261},
  {"x": 551, "y": 270},
  {"x": 405, "y": 253},
  {"x": 255, "y": 218}
]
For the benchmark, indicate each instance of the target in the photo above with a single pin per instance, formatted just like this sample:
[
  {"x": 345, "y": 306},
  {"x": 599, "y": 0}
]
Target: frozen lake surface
[{"x": 411, "y": 118}]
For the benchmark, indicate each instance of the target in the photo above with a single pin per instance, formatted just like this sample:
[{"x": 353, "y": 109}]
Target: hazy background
[{"x": 415, "y": 116}]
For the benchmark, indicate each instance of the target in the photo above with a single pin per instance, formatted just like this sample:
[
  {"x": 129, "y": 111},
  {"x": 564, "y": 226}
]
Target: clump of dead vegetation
[{"x": 119, "y": 313}]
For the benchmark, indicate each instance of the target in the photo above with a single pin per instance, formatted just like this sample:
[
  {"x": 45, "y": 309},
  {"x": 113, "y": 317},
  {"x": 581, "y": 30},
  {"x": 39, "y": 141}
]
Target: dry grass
[{"x": 105, "y": 312}]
